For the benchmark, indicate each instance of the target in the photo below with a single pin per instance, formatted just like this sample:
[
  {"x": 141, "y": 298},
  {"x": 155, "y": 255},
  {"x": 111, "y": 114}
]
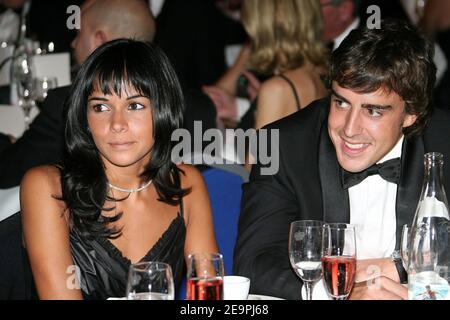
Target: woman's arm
[
  {"x": 197, "y": 211},
  {"x": 46, "y": 235},
  {"x": 229, "y": 79}
]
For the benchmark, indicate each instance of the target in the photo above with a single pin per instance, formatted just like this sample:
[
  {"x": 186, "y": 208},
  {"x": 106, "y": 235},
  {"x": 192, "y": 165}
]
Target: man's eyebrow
[
  {"x": 365, "y": 105},
  {"x": 97, "y": 98},
  {"x": 376, "y": 106},
  {"x": 339, "y": 96}
]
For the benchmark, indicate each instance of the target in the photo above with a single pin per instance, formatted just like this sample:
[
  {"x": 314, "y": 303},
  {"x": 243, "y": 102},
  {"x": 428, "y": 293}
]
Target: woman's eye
[
  {"x": 136, "y": 106},
  {"x": 100, "y": 108}
]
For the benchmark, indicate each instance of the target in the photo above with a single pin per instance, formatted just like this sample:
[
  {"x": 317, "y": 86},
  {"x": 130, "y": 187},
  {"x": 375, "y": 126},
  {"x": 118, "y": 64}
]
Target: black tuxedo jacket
[
  {"x": 308, "y": 186},
  {"x": 43, "y": 142}
]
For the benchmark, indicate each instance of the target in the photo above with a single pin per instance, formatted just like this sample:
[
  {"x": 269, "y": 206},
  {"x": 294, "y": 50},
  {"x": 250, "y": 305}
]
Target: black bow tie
[{"x": 389, "y": 171}]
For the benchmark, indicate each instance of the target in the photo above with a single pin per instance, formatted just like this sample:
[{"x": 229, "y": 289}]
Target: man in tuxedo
[
  {"x": 101, "y": 21},
  {"x": 356, "y": 157}
]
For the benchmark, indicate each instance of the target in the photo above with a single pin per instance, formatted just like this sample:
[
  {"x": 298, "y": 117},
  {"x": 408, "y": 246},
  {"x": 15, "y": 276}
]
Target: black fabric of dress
[{"x": 103, "y": 270}]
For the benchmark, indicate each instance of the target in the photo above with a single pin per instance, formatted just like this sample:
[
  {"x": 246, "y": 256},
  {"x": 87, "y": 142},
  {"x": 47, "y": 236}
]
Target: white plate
[{"x": 262, "y": 297}]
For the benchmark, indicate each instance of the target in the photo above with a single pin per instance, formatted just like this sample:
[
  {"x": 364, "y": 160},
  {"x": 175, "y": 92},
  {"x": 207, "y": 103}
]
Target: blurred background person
[
  {"x": 239, "y": 85},
  {"x": 435, "y": 22},
  {"x": 285, "y": 46}
]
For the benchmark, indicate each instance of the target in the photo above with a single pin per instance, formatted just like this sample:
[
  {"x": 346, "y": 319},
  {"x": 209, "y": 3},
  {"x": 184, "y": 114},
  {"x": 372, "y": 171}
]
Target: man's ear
[
  {"x": 409, "y": 120},
  {"x": 100, "y": 38}
]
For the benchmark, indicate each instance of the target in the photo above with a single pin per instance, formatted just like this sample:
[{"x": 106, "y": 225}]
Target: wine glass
[
  {"x": 205, "y": 274},
  {"x": 22, "y": 79},
  {"x": 150, "y": 281},
  {"x": 404, "y": 245},
  {"x": 339, "y": 259},
  {"x": 305, "y": 252},
  {"x": 41, "y": 86}
]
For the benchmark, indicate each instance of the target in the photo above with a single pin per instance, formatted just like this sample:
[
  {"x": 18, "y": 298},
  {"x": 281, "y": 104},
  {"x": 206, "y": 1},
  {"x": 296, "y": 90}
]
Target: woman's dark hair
[
  {"x": 110, "y": 67},
  {"x": 395, "y": 57}
]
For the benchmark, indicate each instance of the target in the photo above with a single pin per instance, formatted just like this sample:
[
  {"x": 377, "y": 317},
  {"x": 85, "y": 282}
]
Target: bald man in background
[
  {"x": 101, "y": 21},
  {"x": 106, "y": 20}
]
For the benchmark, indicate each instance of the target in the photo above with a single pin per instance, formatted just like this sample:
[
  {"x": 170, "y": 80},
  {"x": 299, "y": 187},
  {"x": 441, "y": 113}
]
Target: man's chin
[{"x": 353, "y": 165}]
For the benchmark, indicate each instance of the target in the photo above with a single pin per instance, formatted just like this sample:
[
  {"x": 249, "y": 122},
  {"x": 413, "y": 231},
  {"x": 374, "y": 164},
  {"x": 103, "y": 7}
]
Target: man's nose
[{"x": 353, "y": 123}]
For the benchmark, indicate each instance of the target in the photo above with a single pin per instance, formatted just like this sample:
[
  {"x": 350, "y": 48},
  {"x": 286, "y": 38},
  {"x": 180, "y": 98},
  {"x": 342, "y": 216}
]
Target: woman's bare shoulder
[
  {"x": 49, "y": 176},
  {"x": 41, "y": 183},
  {"x": 275, "y": 85}
]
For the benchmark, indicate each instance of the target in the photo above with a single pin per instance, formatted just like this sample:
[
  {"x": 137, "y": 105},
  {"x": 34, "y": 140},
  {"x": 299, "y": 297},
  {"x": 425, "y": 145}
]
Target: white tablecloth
[
  {"x": 9, "y": 202},
  {"x": 12, "y": 119}
]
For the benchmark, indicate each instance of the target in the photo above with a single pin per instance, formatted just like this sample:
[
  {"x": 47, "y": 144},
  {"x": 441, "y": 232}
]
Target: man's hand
[
  {"x": 373, "y": 268},
  {"x": 253, "y": 85},
  {"x": 381, "y": 288},
  {"x": 226, "y": 106}
]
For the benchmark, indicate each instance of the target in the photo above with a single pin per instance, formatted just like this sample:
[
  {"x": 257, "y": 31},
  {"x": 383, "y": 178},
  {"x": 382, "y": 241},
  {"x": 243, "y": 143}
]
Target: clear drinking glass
[
  {"x": 339, "y": 259},
  {"x": 23, "y": 77},
  {"x": 41, "y": 86},
  {"x": 150, "y": 281},
  {"x": 205, "y": 274},
  {"x": 305, "y": 252}
]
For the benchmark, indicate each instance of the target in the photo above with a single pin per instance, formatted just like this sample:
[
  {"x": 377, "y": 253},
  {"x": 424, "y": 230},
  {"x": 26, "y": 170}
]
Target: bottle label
[{"x": 428, "y": 285}]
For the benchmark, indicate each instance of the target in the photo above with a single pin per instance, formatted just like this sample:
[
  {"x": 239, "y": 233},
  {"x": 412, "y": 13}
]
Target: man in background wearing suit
[{"x": 379, "y": 112}]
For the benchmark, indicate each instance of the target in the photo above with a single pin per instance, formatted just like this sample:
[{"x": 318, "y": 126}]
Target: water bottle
[{"x": 428, "y": 273}]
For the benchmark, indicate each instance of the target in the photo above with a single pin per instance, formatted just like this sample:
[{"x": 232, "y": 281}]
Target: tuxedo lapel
[
  {"x": 334, "y": 198},
  {"x": 410, "y": 185}
]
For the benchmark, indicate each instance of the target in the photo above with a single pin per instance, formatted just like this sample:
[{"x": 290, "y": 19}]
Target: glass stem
[{"x": 308, "y": 289}]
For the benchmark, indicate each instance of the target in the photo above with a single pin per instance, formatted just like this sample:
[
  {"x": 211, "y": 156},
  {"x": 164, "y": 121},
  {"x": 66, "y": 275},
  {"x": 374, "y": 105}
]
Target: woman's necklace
[{"x": 131, "y": 190}]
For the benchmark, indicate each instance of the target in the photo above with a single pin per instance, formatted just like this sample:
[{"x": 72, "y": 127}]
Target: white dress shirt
[
  {"x": 344, "y": 34},
  {"x": 372, "y": 212},
  {"x": 155, "y": 6}
]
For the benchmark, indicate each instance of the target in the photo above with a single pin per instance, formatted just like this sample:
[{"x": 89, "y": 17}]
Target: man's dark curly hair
[{"x": 395, "y": 57}]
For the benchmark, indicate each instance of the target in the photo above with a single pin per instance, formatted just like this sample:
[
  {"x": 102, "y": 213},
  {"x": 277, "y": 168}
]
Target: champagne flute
[
  {"x": 150, "y": 281},
  {"x": 205, "y": 274},
  {"x": 22, "y": 78},
  {"x": 339, "y": 259},
  {"x": 305, "y": 252}
]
